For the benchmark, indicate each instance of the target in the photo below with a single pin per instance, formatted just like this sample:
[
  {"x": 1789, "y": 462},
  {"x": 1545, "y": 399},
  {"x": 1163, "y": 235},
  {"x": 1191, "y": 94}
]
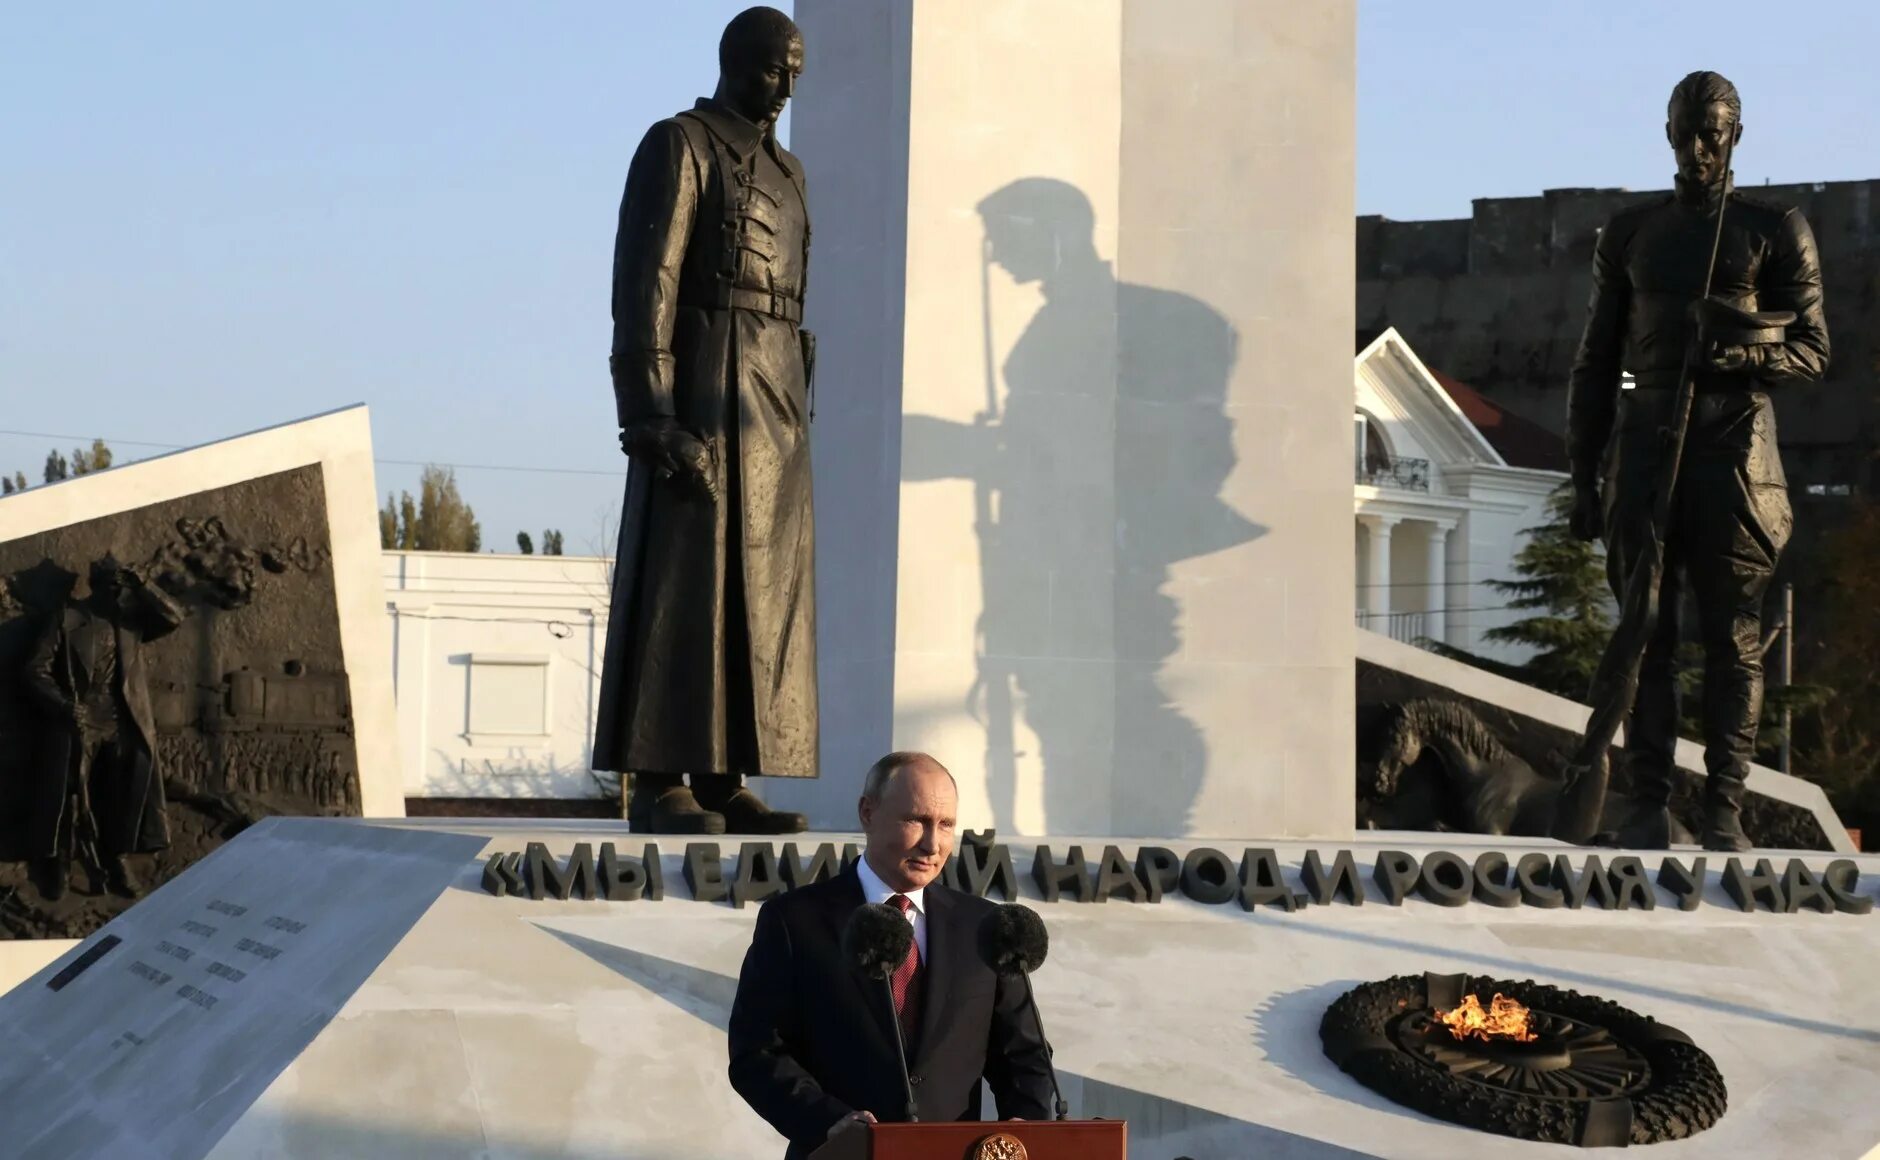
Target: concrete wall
[
  {"x": 497, "y": 660},
  {"x": 1117, "y": 410},
  {"x": 850, "y": 123}
]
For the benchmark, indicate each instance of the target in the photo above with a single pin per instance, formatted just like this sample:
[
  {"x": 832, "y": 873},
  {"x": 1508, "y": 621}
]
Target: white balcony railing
[{"x": 1399, "y": 626}]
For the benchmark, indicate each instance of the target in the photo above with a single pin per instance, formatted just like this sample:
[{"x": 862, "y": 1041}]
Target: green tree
[
  {"x": 438, "y": 520},
  {"x": 527, "y": 546},
  {"x": 445, "y": 521},
  {"x": 551, "y": 542},
  {"x": 1562, "y": 581},
  {"x": 19, "y": 481},
  {"x": 57, "y": 468},
  {"x": 1837, "y": 737},
  {"x": 96, "y": 458},
  {"x": 407, "y": 522}
]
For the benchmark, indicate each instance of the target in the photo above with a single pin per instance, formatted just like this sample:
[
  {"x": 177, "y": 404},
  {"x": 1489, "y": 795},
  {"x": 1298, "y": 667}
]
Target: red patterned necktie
[{"x": 906, "y": 981}]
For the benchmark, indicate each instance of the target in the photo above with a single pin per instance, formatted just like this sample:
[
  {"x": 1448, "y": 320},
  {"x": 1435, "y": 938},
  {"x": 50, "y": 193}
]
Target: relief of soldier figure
[
  {"x": 97, "y": 796},
  {"x": 151, "y": 709}
]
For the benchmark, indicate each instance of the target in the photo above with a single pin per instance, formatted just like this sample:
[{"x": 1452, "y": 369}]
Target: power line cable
[{"x": 389, "y": 462}]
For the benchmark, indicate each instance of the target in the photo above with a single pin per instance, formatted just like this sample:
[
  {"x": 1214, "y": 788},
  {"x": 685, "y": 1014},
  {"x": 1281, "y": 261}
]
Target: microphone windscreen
[
  {"x": 876, "y": 939},
  {"x": 1012, "y": 940}
]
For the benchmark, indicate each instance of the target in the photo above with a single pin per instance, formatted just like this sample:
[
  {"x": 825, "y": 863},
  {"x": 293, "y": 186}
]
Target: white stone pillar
[
  {"x": 1377, "y": 571},
  {"x": 1083, "y": 428},
  {"x": 1435, "y": 579},
  {"x": 1456, "y": 622}
]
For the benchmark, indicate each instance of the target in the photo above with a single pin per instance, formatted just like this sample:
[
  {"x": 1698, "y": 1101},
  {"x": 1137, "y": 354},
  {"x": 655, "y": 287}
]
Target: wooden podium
[{"x": 981, "y": 1140}]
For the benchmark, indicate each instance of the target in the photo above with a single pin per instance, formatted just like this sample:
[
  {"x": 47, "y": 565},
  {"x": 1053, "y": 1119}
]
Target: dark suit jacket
[{"x": 812, "y": 1040}]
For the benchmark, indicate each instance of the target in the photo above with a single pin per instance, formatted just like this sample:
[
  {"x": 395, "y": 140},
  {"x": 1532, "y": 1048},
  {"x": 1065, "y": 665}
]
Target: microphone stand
[
  {"x": 900, "y": 1050},
  {"x": 1057, "y": 1096}
]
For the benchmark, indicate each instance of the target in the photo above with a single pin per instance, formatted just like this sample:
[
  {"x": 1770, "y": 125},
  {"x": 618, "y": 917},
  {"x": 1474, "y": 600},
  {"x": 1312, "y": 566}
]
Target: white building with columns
[{"x": 1447, "y": 485}]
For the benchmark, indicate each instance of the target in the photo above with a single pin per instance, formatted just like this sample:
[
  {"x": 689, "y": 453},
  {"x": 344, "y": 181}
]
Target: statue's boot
[
  {"x": 1648, "y": 825},
  {"x": 1723, "y": 813},
  {"x": 743, "y": 810},
  {"x": 123, "y": 879},
  {"x": 660, "y": 804}
]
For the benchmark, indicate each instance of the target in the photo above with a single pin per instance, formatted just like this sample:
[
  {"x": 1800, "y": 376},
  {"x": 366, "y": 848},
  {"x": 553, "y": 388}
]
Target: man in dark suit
[{"x": 812, "y": 1045}]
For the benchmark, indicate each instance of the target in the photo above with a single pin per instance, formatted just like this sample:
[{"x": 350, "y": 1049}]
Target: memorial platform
[{"x": 416, "y": 1013}]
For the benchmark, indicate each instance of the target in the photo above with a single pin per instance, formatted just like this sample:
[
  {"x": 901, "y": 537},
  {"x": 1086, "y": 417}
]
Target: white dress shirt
[{"x": 877, "y": 891}]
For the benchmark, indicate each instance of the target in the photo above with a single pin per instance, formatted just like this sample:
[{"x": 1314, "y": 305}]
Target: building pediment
[{"x": 1418, "y": 417}]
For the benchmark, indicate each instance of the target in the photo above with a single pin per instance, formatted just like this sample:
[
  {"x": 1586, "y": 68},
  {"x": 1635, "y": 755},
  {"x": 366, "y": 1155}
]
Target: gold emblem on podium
[{"x": 1000, "y": 1146}]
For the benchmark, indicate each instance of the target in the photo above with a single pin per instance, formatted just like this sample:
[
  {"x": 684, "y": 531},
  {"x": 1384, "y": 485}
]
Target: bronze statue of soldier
[
  {"x": 98, "y": 794},
  {"x": 1712, "y": 300},
  {"x": 710, "y": 667}
]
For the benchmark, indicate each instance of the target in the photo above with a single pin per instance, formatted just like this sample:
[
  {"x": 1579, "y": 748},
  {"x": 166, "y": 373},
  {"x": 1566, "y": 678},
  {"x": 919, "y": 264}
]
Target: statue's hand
[
  {"x": 672, "y": 450},
  {"x": 1734, "y": 360},
  {"x": 694, "y": 457},
  {"x": 1588, "y": 519}
]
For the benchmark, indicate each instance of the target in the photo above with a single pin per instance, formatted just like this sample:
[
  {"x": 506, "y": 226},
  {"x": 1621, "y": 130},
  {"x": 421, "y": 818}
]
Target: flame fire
[{"x": 1503, "y": 1019}]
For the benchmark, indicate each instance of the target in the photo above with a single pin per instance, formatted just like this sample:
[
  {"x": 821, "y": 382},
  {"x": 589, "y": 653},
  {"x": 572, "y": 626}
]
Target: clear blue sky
[{"x": 216, "y": 217}]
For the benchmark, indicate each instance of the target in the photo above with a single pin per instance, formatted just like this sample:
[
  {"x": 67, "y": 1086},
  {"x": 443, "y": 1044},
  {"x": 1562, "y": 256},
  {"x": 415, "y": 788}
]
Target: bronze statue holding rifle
[{"x": 1712, "y": 300}]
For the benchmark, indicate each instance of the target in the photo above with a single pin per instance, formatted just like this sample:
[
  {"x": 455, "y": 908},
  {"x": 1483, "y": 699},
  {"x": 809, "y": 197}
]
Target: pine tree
[
  {"x": 1563, "y": 581},
  {"x": 6, "y": 485},
  {"x": 57, "y": 468},
  {"x": 527, "y": 546},
  {"x": 551, "y": 542},
  {"x": 19, "y": 481},
  {"x": 1837, "y": 736}
]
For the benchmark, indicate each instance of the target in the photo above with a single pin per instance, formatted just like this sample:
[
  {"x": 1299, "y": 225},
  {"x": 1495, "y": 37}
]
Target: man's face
[
  {"x": 1699, "y": 136},
  {"x": 764, "y": 79},
  {"x": 910, "y": 828}
]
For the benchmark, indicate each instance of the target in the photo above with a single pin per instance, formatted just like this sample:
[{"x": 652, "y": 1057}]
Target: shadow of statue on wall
[{"x": 1098, "y": 468}]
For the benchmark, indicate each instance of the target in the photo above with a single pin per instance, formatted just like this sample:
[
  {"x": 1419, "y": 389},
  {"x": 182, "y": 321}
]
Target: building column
[
  {"x": 1436, "y": 580},
  {"x": 1377, "y": 571}
]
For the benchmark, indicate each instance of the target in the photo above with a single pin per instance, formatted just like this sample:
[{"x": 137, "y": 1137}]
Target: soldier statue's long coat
[{"x": 711, "y": 644}]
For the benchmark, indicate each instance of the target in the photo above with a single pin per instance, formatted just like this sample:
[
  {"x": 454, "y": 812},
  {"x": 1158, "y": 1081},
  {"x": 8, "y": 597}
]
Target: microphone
[
  {"x": 1013, "y": 941},
  {"x": 876, "y": 941}
]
